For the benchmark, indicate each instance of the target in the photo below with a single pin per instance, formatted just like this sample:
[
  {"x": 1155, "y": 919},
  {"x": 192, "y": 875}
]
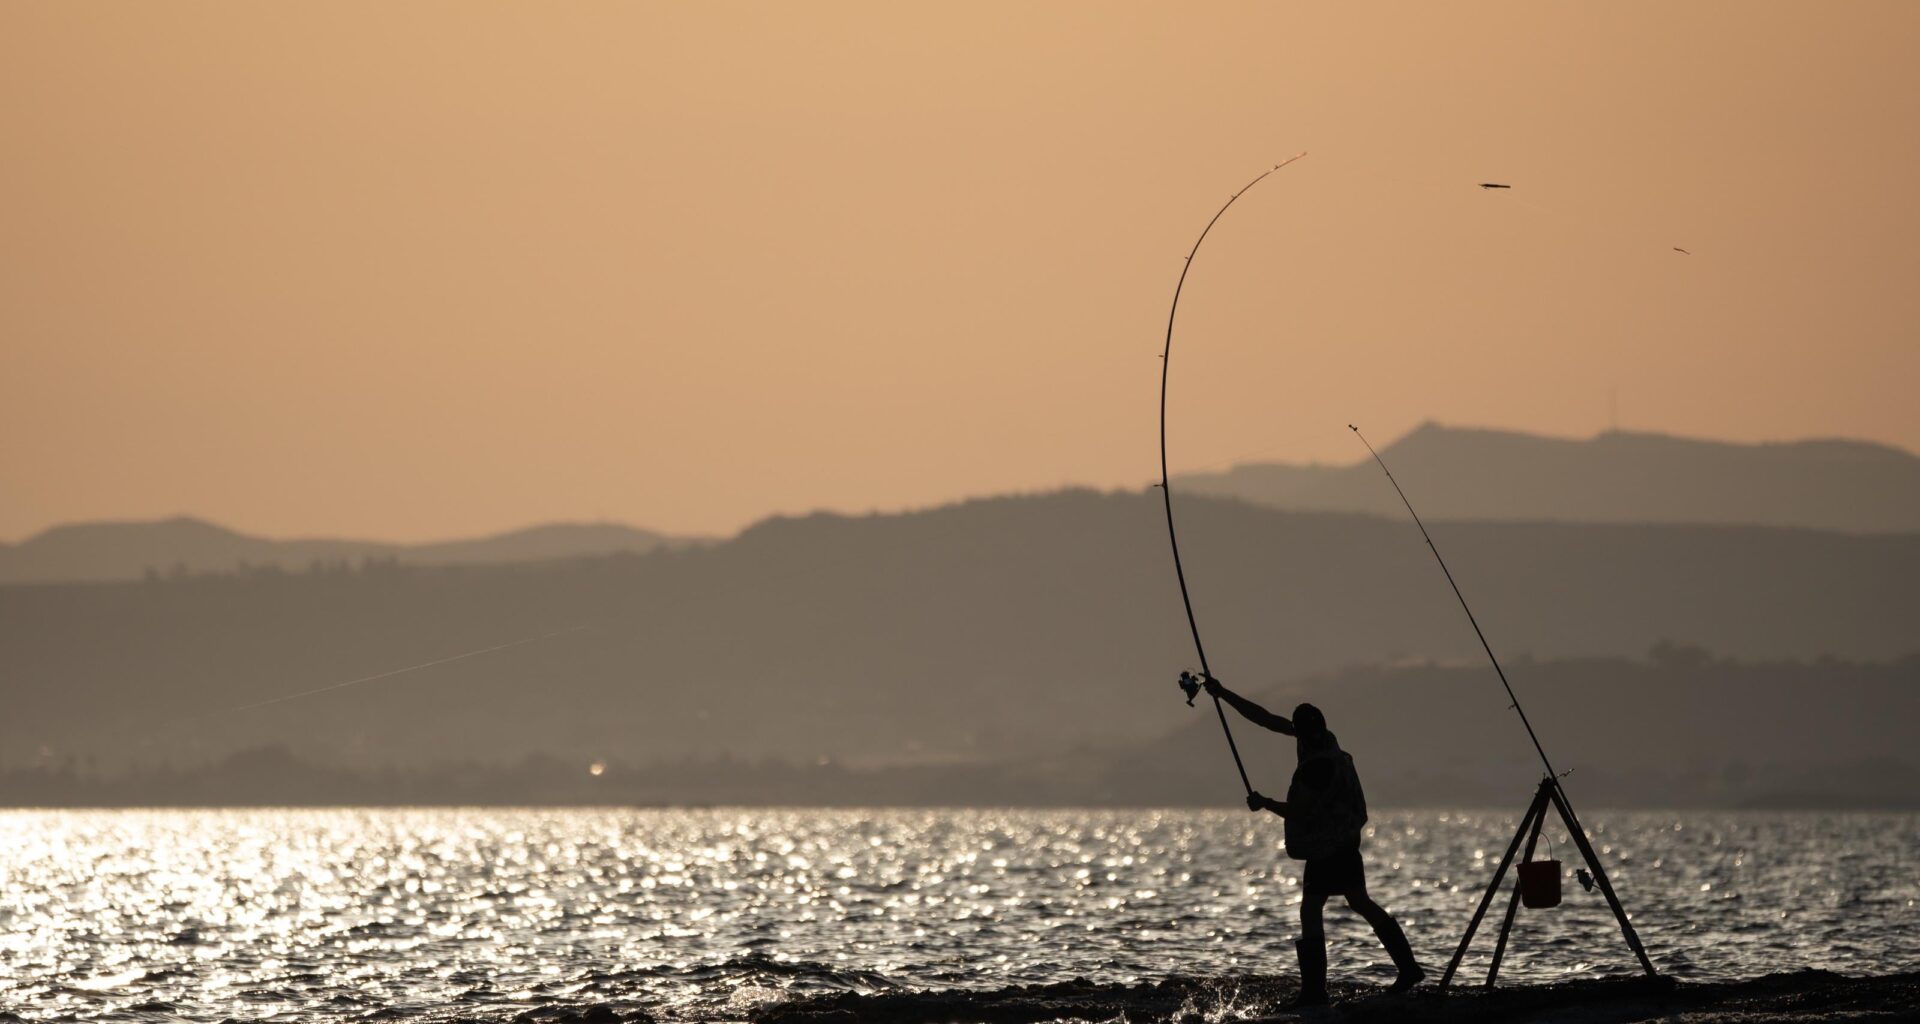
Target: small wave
[
  {"x": 598, "y": 1013},
  {"x": 804, "y": 974}
]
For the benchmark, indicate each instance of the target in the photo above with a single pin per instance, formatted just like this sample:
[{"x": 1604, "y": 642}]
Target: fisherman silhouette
[{"x": 1324, "y": 811}]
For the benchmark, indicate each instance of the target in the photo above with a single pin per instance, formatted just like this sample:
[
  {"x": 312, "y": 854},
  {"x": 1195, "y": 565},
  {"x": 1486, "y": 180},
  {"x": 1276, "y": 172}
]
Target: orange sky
[{"x": 417, "y": 271}]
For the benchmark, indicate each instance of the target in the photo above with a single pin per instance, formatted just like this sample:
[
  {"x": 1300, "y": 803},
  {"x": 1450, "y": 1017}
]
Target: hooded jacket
[{"x": 1326, "y": 808}]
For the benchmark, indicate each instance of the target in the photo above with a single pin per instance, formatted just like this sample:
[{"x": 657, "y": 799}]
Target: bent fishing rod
[{"x": 1188, "y": 681}]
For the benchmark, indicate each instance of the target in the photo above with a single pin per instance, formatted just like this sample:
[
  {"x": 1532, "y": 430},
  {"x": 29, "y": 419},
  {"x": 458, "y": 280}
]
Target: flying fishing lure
[{"x": 1189, "y": 682}]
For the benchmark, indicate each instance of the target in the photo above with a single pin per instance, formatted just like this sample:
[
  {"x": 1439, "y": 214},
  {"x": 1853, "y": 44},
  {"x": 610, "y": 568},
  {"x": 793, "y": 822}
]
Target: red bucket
[{"x": 1540, "y": 884}]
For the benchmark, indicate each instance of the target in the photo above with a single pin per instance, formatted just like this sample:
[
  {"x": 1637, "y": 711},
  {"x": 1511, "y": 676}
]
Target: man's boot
[
  {"x": 1313, "y": 973},
  {"x": 1402, "y": 952}
]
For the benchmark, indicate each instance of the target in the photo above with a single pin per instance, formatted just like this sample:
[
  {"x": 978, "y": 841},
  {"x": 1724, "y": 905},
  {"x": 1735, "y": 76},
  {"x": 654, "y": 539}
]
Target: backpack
[{"x": 1326, "y": 809}]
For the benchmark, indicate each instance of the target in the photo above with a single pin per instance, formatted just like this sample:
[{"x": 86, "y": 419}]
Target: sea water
[{"x": 302, "y": 915}]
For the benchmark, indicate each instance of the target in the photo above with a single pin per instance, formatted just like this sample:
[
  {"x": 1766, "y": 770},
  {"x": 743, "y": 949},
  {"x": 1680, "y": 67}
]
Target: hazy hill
[
  {"x": 92, "y": 552},
  {"x": 1451, "y": 473},
  {"x": 1454, "y": 473},
  {"x": 987, "y": 631}
]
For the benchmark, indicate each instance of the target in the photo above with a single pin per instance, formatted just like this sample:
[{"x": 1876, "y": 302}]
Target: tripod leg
[
  {"x": 1534, "y": 810},
  {"x": 1600, "y": 877},
  {"x": 1513, "y": 902}
]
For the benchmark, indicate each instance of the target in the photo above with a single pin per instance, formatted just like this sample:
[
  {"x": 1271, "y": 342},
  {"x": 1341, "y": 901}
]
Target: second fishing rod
[{"x": 1513, "y": 699}]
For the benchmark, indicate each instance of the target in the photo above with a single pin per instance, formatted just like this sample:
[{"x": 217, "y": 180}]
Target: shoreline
[{"x": 1789, "y": 996}]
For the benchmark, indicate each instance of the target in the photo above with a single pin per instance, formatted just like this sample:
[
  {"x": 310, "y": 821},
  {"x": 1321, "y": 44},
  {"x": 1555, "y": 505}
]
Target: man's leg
[
  {"x": 1312, "y": 917},
  {"x": 1391, "y": 937},
  {"x": 1312, "y": 949}
]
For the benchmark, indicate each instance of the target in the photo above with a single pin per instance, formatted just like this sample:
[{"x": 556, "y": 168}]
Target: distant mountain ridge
[
  {"x": 107, "y": 551},
  {"x": 985, "y": 632},
  {"x": 1613, "y": 477},
  {"x": 1451, "y": 473}
]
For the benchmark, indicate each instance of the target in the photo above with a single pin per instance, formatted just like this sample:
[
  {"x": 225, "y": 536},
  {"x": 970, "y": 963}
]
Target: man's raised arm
[{"x": 1249, "y": 710}]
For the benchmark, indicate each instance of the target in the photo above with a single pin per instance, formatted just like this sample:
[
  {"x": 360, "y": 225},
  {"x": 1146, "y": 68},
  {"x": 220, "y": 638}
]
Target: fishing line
[
  {"x": 1593, "y": 226},
  {"x": 149, "y": 728},
  {"x": 641, "y": 615},
  {"x": 1518, "y": 193},
  {"x": 282, "y": 699},
  {"x": 1280, "y": 447}
]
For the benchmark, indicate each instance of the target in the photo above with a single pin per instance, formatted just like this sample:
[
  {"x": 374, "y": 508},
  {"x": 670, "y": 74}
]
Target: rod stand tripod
[{"x": 1530, "y": 824}]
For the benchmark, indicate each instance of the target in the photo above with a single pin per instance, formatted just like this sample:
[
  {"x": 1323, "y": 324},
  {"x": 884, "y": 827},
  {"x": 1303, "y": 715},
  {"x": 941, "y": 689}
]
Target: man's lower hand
[{"x": 1256, "y": 802}]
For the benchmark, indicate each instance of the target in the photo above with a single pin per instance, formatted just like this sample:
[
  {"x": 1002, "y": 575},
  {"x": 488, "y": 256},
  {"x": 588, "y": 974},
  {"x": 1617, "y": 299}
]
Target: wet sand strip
[{"x": 1798, "y": 996}]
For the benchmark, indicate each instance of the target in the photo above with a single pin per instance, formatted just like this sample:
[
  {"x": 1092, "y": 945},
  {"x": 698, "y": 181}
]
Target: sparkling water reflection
[{"x": 307, "y": 915}]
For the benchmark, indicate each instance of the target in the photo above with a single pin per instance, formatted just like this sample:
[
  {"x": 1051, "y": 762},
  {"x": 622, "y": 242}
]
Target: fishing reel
[{"x": 1191, "y": 685}]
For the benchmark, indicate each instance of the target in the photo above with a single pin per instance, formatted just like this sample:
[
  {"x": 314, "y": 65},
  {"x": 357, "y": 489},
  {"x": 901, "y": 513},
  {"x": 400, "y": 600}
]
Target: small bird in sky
[
  {"x": 1493, "y": 184},
  {"x": 1681, "y": 251}
]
